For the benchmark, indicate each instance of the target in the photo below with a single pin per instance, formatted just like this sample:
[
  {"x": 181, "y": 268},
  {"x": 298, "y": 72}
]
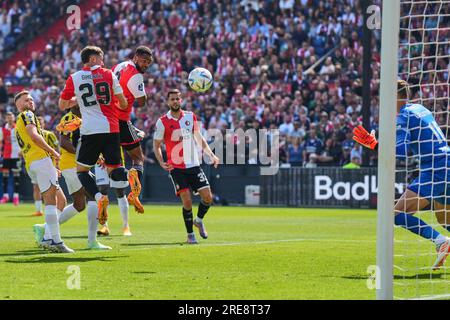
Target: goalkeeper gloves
[
  {"x": 365, "y": 138},
  {"x": 69, "y": 126}
]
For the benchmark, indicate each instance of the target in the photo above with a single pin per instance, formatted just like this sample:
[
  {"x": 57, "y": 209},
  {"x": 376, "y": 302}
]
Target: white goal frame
[{"x": 386, "y": 150}]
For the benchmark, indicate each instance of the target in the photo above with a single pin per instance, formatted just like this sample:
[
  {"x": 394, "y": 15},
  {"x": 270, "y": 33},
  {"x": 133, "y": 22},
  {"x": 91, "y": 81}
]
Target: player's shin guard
[
  {"x": 416, "y": 225},
  {"x": 202, "y": 209},
  {"x": 88, "y": 182},
  {"x": 188, "y": 220}
]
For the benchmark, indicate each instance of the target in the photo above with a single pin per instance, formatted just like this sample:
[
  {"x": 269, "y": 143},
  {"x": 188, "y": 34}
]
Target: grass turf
[{"x": 251, "y": 253}]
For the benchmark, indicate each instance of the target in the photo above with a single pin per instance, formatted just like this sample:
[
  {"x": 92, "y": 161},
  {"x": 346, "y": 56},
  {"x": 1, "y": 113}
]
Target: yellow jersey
[
  {"x": 68, "y": 160},
  {"x": 30, "y": 150},
  {"x": 52, "y": 141}
]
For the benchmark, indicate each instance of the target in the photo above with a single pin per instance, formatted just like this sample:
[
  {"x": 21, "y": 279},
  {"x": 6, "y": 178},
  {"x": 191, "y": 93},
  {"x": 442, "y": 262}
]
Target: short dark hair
[
  {"x": 21, "y": 93},
  {"x": 89, "y": 51},
  {"x": 402, "y": 89},
  {"x": 141, "y": 50},
  {"x": 173, "y": 91}
]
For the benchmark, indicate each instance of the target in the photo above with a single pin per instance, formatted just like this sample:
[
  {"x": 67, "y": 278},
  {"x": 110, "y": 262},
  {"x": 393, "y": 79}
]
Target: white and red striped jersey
[
  {"x": 132, "y": 83},
  {"x": 8, "y": 137},
  {"x": 95, "y": 89},
  {"x": 178, "y": 135}
]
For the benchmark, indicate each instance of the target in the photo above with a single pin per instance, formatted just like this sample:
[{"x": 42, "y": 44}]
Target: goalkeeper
[{"x": 418, "y": 133}]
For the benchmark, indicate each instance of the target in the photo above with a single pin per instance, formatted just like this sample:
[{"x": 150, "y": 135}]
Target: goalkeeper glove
[
  {"x": 365, "y": 138},
  {"x": 69, "y": 126}
]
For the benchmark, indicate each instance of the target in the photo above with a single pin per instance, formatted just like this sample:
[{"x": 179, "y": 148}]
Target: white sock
[
  {"x": 198, "y": 219},
  {"x": 38, "y": 205},
  {"x": 440, "y": 239},
  {"x": 68, "y": 213},
  {"x": 51, "y": 219},
  {"x": 98, "y": 195},
  {"x": 92, "y": 215},
  {"x": 47, "y": 234},
  {"x": 123, "y": 206}
]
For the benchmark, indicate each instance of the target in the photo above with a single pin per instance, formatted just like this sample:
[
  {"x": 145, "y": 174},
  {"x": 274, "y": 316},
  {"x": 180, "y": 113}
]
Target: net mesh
[{"x": 424, "y": 52}]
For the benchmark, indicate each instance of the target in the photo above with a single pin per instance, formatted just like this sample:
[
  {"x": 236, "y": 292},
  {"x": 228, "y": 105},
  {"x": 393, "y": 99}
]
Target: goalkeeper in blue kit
[{"x": 419, "y": 134}]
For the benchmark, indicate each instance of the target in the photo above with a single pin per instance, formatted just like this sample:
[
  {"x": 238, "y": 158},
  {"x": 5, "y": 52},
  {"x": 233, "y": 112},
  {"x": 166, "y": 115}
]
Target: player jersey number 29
[{"x": 101, "y": 90}]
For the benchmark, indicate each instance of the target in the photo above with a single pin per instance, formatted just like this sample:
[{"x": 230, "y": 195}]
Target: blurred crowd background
[{"x": 265, "y": 57}]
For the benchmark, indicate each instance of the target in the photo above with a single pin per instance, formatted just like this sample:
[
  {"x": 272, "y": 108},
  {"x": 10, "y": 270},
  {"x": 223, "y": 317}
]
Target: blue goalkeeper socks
[{"x": 414, "y": 224}]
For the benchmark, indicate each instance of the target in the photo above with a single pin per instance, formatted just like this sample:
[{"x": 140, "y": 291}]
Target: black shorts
[
  {"x": 191, "y": 178},
  {"x": 11, "y": 164},
  {"x": 129, "y": 138},
  {"x": 90, "y": 147}
]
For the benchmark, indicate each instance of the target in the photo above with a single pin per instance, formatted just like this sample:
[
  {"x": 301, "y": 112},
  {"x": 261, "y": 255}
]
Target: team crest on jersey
[
  {"x": 141, "y": 87},
  {"x": 187, "y": 122}
]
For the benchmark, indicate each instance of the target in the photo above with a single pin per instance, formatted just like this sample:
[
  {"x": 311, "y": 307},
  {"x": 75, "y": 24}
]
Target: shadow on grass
[
  {"x": 421, "y": 276},
  {"x": 23, "y": 253},
  {"x": 152, "y": 244},
  {"x": 60, "y": 258},
  {"x": 99, "y": 237}
]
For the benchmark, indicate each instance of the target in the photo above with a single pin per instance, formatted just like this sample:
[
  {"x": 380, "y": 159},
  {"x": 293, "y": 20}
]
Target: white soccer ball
[{"x": 200, "y": 79}]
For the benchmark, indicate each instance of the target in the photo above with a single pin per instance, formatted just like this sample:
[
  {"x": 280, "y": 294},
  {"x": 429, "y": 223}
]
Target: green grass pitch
[{"x": 251, "y": 253}]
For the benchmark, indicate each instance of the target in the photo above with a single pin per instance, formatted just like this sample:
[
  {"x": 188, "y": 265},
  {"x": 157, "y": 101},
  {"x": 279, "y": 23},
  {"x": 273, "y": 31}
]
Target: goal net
[{"x": 424, "y": 62}]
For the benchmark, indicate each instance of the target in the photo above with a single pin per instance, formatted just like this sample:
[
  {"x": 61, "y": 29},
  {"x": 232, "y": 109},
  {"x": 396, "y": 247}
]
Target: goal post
[
  {"x": 415, "y": 46},
  {"x": 386, "y": 150}
]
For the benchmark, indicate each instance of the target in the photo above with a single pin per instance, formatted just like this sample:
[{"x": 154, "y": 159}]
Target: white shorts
[
  {"x": 43, "y": 173},
  {"x": 72, "y": 181},
  {"x": 101, "y": 176}
]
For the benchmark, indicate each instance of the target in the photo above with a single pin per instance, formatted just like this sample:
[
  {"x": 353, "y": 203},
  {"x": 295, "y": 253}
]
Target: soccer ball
[{"x": 200, "y": 79}]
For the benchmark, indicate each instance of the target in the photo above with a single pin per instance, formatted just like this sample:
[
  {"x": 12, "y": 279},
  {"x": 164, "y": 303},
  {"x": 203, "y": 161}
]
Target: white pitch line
[{"x": 150, "y": 246}]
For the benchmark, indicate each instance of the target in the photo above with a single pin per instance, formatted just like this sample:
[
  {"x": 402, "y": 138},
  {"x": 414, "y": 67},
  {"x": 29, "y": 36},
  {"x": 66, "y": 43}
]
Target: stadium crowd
[{"x": 263, "y": 57}]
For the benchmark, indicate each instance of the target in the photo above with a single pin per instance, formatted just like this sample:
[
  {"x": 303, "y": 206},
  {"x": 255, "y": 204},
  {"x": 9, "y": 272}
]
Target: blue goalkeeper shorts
[{"x": 433, "y": 185}]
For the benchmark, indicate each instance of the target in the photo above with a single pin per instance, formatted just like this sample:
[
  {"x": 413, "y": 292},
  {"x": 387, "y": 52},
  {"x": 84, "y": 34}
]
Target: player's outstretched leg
[
  {"x": 409, "y": 204},
  {"x": 88, "y": 181},
  {"x": 203, "y": 207}
]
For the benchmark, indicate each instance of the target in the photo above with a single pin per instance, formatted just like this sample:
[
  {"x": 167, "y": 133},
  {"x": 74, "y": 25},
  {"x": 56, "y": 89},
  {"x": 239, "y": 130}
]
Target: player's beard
[{"x": 175, "y": 108}]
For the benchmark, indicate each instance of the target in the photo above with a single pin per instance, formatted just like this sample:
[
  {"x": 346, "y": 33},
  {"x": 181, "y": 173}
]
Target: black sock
[
  {"x": 188, "y": 220},
  {"x": 202, "y": 209},
  {"x": 16, "y": 183},
  {"x": 88, "y": 182},
  {"x": 5, "y": 183}
]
